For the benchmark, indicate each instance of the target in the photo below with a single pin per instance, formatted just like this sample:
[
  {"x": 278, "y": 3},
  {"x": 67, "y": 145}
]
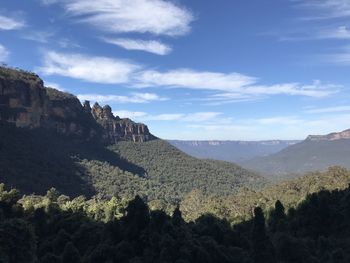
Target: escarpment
[{"x": 26, "y": 102}]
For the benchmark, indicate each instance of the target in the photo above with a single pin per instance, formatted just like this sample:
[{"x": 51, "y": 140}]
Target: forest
[{"x": 54, "y": 228}]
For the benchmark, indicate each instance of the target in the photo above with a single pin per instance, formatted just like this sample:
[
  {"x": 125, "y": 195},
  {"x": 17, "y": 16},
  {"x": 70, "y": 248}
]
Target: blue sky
[{"x": 223, "y": 70}]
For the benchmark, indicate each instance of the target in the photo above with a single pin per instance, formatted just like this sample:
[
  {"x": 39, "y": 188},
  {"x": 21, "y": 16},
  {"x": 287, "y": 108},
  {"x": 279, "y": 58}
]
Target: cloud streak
[
  {"x": 9, "y": 23},
  {"x": 182, "y": 117},
  {"x": 229, "y": 87},
  {"x": 4, "y": 53},
  {"x": 329, "y": 110},
  {"x": 132, "y": 98},
  {"x": 151, "y": 46},
  {"x": 122, "y": 16},
  {"x": 91, "y": 69},
  {"x": 330, "y": 8}
]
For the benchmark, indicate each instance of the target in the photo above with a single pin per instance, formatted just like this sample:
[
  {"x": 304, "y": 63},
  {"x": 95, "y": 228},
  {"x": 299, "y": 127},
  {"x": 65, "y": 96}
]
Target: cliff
[
  {"x": 25, "y": 102},
  {"x": 330, "y": 137}
]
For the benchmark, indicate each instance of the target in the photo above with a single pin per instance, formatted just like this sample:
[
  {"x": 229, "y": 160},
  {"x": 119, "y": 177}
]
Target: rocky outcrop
[
  {"x": 25, "y": 102},
  {"x": 330, "y": 137},
  {"x": 117, "y": 129}
]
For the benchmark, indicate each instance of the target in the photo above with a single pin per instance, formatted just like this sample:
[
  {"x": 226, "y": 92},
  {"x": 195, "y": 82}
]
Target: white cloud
[
  {"x": 342, "y": 32},
  {"x": 38, "y": 36},
  {"x": 151, "y": 46},
  {"x": 235, "y": 85},
  {"x": 187, "y": 78},
  {"x": 341, "y": 58},
  {"x": 49, "y": 2},
  {"x": 181, "y": 117},
  {"x": 87, "y": 68},
  {"x": 132, "y": 98},
  {"x": 143, "y": 16},
  {"x": 316, "y": 89},
  {"x": 54, "y": 85},
  {"x": 4, "y": 53},
  {"x": 129, "y": 114},
  {"x": 329, "y": 109},
  {"x": 284, "y": 120},
  {"x": 329, "y": 8},
  {"x": 8, "y": 23}
]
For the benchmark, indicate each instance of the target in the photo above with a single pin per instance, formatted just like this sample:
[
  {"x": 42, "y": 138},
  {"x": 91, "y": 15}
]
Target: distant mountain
[
  {"x": 49, "y": 139},
  {"x": 231, "y": 151},
  {"x": 316, "y": 152}
]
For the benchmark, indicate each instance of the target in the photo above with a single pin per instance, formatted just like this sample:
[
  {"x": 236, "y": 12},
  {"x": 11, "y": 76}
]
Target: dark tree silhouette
[{"x": 263, "y": 251}]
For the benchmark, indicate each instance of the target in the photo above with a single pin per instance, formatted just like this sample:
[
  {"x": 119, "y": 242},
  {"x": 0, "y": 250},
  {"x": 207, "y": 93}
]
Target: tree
[
  {"x": 50, "y": 258},
  {"x": 137, "y": 217},
  {"x": 17, "y": 241},
  {"x": 70, "y": 254},
  {"x": 277, "y": 217},
  {"x": 263, "y": 251},
  {"x": 177, "y": 216}
]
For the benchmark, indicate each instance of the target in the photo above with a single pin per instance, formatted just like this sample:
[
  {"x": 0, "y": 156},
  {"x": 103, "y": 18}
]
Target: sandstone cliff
[
  {"x": 25, "y": 102},
  {"x": 330, "y": 137}
]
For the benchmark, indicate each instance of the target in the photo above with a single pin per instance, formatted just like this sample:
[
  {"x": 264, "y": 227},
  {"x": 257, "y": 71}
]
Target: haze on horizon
[{"x": 195, "y": 70}]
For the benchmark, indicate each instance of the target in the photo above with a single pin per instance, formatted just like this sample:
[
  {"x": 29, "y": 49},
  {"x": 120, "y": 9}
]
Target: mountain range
[
  {"x": 48, "y": 138},
  {"x": 231, "y": 151},
  {"x": 316, "y": 152}
]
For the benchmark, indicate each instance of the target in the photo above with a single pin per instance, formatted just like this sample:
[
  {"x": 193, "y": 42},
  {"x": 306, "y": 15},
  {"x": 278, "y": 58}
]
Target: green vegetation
[
  {"x": 15, "y": 74},
  {"x": 36, "y": 160},
  {"x": 239, "y": 206},
  {"x": 54, "y": 228},
  {"x": 174, "y": 173},
  {"x": 303, "y": 157}
]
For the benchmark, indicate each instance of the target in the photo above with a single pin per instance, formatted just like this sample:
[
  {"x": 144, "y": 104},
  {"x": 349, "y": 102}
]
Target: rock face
[
  {"x": 118, "y": 129},
  {"x": 25, "y": 102},
  {"x": 330, "y": 137}
]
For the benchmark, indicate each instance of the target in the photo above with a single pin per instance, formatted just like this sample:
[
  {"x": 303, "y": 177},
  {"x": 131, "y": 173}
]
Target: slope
[{"x": 309, "y": 155}]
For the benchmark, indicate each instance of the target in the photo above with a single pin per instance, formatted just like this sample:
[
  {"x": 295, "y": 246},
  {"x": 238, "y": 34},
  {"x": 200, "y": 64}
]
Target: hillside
[
  {"x": 173, "y": 173},
  {"x": 49, "y": 139},
  {"x": 291, "y": 193},
  {"x": 314, "y": 153},
  {"x": 231, "y": 151}
]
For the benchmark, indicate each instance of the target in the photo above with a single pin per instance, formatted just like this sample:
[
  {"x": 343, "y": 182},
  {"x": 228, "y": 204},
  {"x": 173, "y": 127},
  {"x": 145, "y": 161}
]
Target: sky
[{"x": 193, "y": 70}]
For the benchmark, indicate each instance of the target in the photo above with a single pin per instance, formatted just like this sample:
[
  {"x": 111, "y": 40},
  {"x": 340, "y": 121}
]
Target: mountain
[
  {"x": 49, "y": 139},
  {"x": 316, "y": 152},
  {"x": 231, "y": 151},
  {"x": 25, "y": 102}
]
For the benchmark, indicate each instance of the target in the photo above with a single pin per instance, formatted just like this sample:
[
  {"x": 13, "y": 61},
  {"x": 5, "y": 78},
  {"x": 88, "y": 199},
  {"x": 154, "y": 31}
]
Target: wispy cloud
[
  {"x": 4, "y": 53},
  {"x": 329, "y": 109},
  {"x": 49, "y": 2},
  {"x": 38, "y": 36},
  {"x": 129, "y": 114},
  {"x": 342, "y": 57},
  {"x": 87, "y": 68},
  {"x": 143, "y": 16},
  {"x": 229, "y": 87},
  {"x": 327, "y": 9},
  {"x": 341, "y": 32},
  {"x": 54, "y": 85},
  {"x": 181, "y": 117},
  {"x": 132, "y": 98},
  {"x": 234, "y": 85},
  {"x": 187, "y": 78},
  {"x": 151, "y": 46},
  {"x": 280, "y": 120},
  {"x": 9, "y": 23}
]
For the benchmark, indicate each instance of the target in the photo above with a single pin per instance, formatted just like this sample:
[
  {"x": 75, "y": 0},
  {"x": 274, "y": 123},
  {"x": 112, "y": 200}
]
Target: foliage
[
  {"x": 316, "y": 231},
  {"x": 35, "y": 160},
  {"x": 238, "y": 207}
]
